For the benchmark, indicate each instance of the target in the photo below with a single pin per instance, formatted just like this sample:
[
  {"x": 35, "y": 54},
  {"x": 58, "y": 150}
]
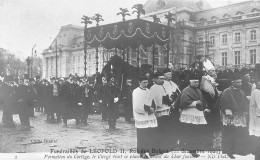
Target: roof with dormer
[
  {"x": 156, "y": 5},
  {"x": 228, "y": 11}
]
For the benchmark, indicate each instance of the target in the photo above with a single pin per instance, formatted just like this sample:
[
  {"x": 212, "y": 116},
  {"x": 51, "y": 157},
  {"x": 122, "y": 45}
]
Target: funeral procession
[{"x": 121, "y": 79}]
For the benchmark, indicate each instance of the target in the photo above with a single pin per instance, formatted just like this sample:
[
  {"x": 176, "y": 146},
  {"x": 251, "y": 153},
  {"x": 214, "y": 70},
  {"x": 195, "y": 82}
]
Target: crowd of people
[
  {"x": 187, "y": 116},
  {"x": 192, "y": 118},
  {"x": 62, "y": 99}
]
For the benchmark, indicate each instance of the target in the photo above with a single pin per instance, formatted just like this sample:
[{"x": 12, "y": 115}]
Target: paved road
[
  {"x": 53, "y": 137},
  {"x": 46, "y": 136}
]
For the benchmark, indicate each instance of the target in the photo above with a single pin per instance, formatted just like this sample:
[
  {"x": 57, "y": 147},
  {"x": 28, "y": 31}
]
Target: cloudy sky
[{"x": 24, "y": 23}]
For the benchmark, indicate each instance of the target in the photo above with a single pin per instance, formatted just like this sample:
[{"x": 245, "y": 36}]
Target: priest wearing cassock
[
  {"x": 254, "y": 120},
  {"x": 234, "y": 107},
  {"x": 211, "y": 94},
  {"x": 193, "y": 122},
  {"x": 173, "y": 91},
  {"x": 145, "y": 120},
  {"x": 162, "y": 103}
]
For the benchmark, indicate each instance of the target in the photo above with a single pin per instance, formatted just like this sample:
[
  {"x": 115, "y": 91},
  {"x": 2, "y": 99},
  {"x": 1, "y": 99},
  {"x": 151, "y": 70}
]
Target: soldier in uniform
[
  {"x": 55, "y": 100},
  {"x": 25, "y": 97},
  {"x": 112, "y": 93},
  {"x": 102, "y": 99},
  {"x": 127, "y": 98}
]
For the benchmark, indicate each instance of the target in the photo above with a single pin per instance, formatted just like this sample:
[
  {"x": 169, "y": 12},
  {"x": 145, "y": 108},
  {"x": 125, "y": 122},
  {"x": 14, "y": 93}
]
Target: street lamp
[
  {"x": 28, "y": 61},
  {"x": 32, "y": 61}
]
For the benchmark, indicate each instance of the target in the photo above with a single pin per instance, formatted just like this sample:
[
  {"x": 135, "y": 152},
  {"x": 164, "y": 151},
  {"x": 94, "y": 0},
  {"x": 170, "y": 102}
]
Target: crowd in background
[{"x": 182, "y": 109}]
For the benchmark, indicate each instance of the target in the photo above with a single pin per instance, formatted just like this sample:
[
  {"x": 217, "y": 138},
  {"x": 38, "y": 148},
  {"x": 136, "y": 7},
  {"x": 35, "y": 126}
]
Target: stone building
[{"x": 229, "y": 36}]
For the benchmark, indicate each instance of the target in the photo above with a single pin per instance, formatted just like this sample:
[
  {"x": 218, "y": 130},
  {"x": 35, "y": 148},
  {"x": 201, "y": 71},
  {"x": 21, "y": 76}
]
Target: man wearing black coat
[
  {"x": 127, "y": 98},
  {"x": 112, "y": 92},
  {"x": 70, "y": 101},
  {"x": 6, "y": 100},
  {"x": 25, "y": 97}
]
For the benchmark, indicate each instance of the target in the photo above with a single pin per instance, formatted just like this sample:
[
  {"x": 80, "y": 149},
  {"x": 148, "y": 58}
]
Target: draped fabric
[{"x": 131, "y": 33}]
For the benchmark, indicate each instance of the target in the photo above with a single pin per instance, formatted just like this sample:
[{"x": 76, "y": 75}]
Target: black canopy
[{"x": 131, "y": 33}]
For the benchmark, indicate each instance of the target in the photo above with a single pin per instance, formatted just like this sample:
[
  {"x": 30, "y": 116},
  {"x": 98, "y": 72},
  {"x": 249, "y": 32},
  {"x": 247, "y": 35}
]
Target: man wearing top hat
[
  {"x": 25, "y": 97},
  {"x": 234, "y": 107}
]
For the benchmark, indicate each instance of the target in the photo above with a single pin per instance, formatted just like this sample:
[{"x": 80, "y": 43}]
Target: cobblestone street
[{"x": 46, "y": 136}]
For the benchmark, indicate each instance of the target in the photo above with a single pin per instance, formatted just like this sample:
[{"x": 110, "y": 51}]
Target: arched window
[
  {"x": 202, "y": 20},
  {"x": 239, "y": 13},
  {"x": 255, "y": 10},
  {"x": 226, "y": 16},
  {"x": 214, "y": 17}
]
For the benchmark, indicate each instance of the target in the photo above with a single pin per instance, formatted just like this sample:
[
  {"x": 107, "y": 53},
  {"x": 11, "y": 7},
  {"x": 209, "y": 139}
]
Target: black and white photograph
[{"x": 129, "y": 79}]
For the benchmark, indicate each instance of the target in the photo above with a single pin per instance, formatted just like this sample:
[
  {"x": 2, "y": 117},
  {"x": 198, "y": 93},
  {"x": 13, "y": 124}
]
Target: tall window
[
  {"x": 253, "y": 56},
  {"x": 89, "y": 57},
  {"x": 200, "y": 41},
  {"x": 224, "y": 58},
  {"x": 212, "y": 40},
  {"x": 224, "y": 38},
  {"x": 78, "y": 59},
  {"x": 73, "y": 59},
  {"x": 237, "y": 57},
  {"x": 253, "y": 35},
  {"x": 237, "y": 37}
]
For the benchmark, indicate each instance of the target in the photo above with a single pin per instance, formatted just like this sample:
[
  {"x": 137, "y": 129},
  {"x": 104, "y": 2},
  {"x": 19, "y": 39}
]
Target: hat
[
  {"x": 31, "y": 80},
  {"x": 193, "y": 76},
  {"x": 26, "y": 76},
  {"x": 142, "y": 78},
  {"x": 166, "y": 70},
  {"x": 157, "y": 74},
  {"x": 8, "y": 78},
  {"x": 236, "y": 76}
]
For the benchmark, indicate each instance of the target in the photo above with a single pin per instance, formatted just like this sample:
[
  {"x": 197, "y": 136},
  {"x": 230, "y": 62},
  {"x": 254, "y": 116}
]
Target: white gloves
[
  {"x": 115, "y": 99},
  {"x": 80, "y": 104}
]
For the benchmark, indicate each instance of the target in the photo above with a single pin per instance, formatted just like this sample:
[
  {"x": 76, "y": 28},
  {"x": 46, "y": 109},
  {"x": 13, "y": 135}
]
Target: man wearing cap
[
  {"x": 234, "y": 107},
  {"x": 145, "y": 120},
  {"x": 25, "y": 96},
  {"x": 193, "y": 122}
]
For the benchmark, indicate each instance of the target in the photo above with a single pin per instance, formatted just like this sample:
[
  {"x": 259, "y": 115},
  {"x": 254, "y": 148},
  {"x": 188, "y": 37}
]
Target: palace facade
[{"x": 229, "y": 36}]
